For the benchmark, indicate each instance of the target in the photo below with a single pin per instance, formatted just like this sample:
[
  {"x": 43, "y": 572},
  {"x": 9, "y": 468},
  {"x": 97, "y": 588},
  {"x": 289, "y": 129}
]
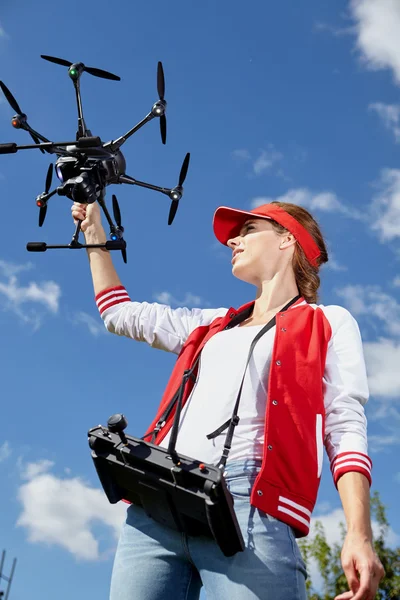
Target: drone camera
[
  {"x": 66, "y": 168},
  {"x": 83, "y": 189}
]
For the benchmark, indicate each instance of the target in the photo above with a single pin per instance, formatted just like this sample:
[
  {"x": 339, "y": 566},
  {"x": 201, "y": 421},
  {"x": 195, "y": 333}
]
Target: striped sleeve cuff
[
  {"x": 111, "y": 297},
  {"x": 351, "y": 461}
]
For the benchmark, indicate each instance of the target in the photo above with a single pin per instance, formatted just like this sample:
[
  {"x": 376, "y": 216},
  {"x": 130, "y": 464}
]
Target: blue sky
[{"x": 296, "y": 101}]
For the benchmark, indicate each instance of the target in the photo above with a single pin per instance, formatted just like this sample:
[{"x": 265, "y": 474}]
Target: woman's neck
[{"x": 272, "y": 296}]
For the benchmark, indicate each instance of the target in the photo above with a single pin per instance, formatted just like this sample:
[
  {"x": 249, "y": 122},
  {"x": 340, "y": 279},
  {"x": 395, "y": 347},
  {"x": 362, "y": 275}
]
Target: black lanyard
[
  {"x": 234, "y": 420},
  {"x": 189, "y": 373}
]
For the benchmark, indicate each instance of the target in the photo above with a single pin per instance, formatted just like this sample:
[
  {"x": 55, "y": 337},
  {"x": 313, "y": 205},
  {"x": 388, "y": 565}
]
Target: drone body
[{"x": 87, "y": 166}]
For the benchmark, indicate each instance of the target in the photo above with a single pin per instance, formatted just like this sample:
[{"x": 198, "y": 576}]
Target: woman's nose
[{"x": 233, "y": 242}]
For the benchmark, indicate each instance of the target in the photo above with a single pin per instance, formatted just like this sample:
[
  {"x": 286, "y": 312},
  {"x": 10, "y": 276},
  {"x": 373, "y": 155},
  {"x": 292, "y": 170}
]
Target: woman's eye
[{"x": 248, "y": 228}]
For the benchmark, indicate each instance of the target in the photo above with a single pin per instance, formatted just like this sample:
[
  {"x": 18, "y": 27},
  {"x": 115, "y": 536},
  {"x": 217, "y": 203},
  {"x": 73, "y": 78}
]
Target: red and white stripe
[
  {"x": 111, "y": 297},
  {"x": 296, "y": 511},
  {"x": 351, "y": 461}
]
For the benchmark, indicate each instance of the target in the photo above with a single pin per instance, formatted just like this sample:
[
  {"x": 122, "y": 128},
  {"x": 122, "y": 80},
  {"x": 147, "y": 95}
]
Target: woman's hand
[
  {"x": 362, "y": 568},
  {"x": 89, "y": 214}
]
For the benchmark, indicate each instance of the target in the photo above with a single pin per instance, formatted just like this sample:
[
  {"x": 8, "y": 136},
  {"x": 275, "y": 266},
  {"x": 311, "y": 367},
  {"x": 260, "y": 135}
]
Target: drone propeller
[
  {"x": 19, "y": 121},
  {"x": 176, "y": 193},
  {"x": 41, "y": 202},
  {"x": 184, "y": 169},
  {"x": 117, "y": 217},
  {"x": 161, "y": 92},
  {"x": 91, "y": 70}
]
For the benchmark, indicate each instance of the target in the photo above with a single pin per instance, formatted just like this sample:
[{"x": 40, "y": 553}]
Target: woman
[{"x": 305, "y": 386}]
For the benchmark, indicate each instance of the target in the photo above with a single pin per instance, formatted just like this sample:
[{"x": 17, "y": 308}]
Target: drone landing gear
[
  {"x": 74, "y": 245},
  {"x": 117, "y": 242}
]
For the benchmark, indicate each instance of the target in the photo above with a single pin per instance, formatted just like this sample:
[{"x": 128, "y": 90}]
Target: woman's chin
[{"x": 241, "y": 273}]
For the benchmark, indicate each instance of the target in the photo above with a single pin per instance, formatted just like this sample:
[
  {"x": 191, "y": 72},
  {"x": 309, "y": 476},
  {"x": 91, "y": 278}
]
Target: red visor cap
[{"x": 227, "y": 223}]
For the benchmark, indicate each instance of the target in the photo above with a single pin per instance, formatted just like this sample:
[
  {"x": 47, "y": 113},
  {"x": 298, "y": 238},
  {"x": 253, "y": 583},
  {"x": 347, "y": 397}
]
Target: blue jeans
[{"x": 154, "y": 562}]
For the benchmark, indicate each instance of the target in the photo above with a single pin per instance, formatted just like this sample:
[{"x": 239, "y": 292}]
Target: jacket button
[
  {"x": 274, "y": 402},
  {"x": 278, "y": 362},
  {"x": 283, "y": 329},
  {"x": 259, "y": 492},
  {"x": 269, "y": 447}
]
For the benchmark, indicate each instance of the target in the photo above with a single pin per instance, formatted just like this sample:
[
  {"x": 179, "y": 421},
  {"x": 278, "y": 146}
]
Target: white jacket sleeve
[
  {"x": 157, "y": 324},
  {"x": 345, "y": 394}
]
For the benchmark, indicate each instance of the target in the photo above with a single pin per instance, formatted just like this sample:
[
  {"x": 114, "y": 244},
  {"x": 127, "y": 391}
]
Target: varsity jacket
[{"x": 317, "y": 389}]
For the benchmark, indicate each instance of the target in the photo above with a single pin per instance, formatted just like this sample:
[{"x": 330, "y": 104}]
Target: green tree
[{"x": 329, "y": 565}]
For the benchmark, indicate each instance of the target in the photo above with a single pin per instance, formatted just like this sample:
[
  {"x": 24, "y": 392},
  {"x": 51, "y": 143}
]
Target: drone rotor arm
[
  {"x": 150, "y": 186},
  {"x": 116, "y": 144}
]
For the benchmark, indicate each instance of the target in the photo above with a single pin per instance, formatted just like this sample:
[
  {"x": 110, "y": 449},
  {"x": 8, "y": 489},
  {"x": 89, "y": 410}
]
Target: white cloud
[
  {"x": 385, "y": 208},
  {"x": 390, "y": 115},
  {"x": 241, "y": 154},
  {"x": 325, "y": 201},
  {"x": 371, "y": 301},
  {"x": 377, "y": 26},
  {"x": 33, "y": 470},
  {"x": 9, "y": 269},
  {"x": 95, "y": 326},
  {"x": 190, "y": 300},
  {"x": 382, "y": 356},
  {"x": 46, "y": 293},
  {"x": 5, "y": 451},
  {"x": 62, "y": 512},
  {"x": 333, "y": 264},
  {"x": 396, "y": 281},
  {"x": 266, "y": 160},
  {"x": 382, "y": 443},
  {"x": 331, "y": 522},
  {"x": 383, "y": 359},
  {"x": 3, "y": 34},
  {"x": 336, "y": 31}
]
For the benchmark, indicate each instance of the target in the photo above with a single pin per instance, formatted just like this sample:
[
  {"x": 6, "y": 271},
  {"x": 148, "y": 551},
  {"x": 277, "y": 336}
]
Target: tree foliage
[{"x": 329, "y": 565}]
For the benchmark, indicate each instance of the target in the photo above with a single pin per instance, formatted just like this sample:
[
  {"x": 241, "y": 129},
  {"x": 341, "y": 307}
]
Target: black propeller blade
[
  {"x": 184, "y": 169},
  {"x": 42, "y": 214},
  {"x": 161, "y": 93},
  {"x": 49, "y": 178},
  {"x": 57, "y": 61},
  {"x": 116, "y": 211},
  {"x": 160, "y": 81},
  {"x": 91, "y": 70},
  {"x": 176, "y": 193},
  {"x": 172, "y": 211},
  {"x": 15, "y": 106},
  {"x": 101, "y": 73},
  {"x": 43, "y": 209},
  {"x": 10, "y": 98},
  {"x": 117, "y": 217}
]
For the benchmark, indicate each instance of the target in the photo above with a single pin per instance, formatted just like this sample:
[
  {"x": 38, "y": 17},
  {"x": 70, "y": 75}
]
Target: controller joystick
[{"x": 116, "y": 424}]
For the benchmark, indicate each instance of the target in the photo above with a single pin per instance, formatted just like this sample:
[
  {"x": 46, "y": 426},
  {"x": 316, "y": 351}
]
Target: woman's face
[{"x": 257, "y": 251}]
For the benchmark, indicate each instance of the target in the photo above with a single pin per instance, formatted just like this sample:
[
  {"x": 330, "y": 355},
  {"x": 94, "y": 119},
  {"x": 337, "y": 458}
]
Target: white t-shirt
[{"x": 211, "y": 402}]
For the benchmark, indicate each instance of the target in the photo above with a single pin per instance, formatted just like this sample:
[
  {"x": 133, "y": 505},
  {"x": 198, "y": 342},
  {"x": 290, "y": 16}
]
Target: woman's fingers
[{"x": 78, "y": 211}]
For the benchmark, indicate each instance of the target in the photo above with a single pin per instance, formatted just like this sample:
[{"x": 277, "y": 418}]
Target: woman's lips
[{"x": 236, "y": 255}]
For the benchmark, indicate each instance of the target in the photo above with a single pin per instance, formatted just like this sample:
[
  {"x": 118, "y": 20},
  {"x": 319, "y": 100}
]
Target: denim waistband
[{"x": 242, "y": 467}]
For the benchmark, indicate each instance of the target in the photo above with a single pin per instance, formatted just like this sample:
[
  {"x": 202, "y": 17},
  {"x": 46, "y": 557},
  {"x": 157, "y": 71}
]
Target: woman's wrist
[{"x": 95, "y": 235}]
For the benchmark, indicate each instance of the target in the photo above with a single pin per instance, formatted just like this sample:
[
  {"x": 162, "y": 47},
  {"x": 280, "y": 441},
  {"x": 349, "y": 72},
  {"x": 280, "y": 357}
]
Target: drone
[{"x": 86, "y": 166}]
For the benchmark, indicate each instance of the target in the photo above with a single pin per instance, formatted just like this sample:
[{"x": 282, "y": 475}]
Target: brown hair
[{"x": 307, "y": 277}]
